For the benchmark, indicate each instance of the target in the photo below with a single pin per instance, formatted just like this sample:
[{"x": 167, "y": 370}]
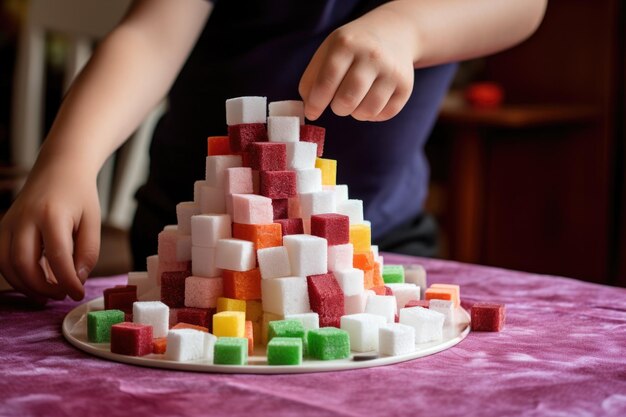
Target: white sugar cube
[
  {"x": 235, "y": 254},
  {"x": 274, "y": 262},
  {"x": 185, "y": 345},
  {"x": 396, "y": 339},
  {"x": 375, "y": 252},
  {"x": 142, "y": 281},
  {"x": 383, "y": 305},
  {"x": 353, "y": 209},
  {"x": 209, "y": 346},
  {"x": 207, "y": 229},
  {"x": 242, "y": 110},
  {"x": 363, "y": 330},
  {"x": 404, "y": 293},
  {"x": 283, "y": 129},
  {"x": 428, "y": 324},
  {"x": 203, "y": 262},
  {"x": 340, "y": 256},
  {"x": 211, "y": 200},
  {"x": 340, "y": 190},
  {"x": 416, "y": 274},
  {"x": 287, "y": 108},
  {"x": 153, "y": 313},
  {"x": 184, "y": 211},
  {"x": 307, "y": 254},
  {"x": 201, "y": 292},
  {"x": 252, "y": 209},
  {"x": 355, "y": 304},
  {"x": 445, "y": 307},
  {"x": 350, "y": 280},
  {"x": 310, "y": 321},
  {"x": 301, "y": 155},
  {"x": 216, "y": 166},
  {"x": 183, "y": 248},
  {"x": 283, "y": 296},
  {"x": 317, "y": 202},
  {"x": 308, "y": 180}
]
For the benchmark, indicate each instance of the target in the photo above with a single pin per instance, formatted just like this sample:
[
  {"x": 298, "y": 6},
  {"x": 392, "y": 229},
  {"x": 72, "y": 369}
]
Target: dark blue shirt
[{"x": 261, "y": 48}]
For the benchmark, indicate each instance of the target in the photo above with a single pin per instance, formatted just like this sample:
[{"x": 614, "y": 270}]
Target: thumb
[{"x": 87, "y": 244}]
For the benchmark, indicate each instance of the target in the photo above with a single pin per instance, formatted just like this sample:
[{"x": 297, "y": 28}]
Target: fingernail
[{"x": 83, "y": 273}]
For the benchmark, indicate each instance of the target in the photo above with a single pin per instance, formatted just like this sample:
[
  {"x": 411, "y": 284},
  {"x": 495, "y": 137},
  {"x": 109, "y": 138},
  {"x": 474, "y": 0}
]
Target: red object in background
[{"x": 485, "y": 95}]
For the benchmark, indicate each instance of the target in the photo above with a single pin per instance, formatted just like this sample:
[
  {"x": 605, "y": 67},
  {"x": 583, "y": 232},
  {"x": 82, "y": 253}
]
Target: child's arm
[
  {"x": 57, "y": 210},
  {"x": 365, "y": 68}
]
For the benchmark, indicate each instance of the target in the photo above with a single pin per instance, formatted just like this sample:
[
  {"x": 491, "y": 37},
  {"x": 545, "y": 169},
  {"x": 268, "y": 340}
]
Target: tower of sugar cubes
[{"x": 270, "y": 236}]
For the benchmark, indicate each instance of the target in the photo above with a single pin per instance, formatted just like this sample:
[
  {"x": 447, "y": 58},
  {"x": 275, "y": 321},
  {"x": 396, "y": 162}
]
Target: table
[{"x": 562, "y": 352}]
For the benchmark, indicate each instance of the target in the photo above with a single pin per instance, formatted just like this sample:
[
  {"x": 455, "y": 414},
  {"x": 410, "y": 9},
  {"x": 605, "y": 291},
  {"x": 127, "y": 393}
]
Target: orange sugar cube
[
  {"x": 262, "y": 235},
  {"x": 368, "y": 279},
  {"x": 190, "y": 326},
  {"x": 218, "y": 145},
  {"x": 378, "y": 277},
  {"x": 363, "y": 260},
  {"x": 242, "y": 285},
  {"x": 159, "y": 345},
  {"x": 456, "y": 291},
  {"x": 379, "y": 290},
  {"x": 439, "y": 294},
  {"x": 250, "y": 337}
]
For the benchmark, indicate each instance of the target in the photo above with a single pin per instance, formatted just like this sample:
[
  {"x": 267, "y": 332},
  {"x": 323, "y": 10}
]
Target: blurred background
[{"x": 528, "y": 155}]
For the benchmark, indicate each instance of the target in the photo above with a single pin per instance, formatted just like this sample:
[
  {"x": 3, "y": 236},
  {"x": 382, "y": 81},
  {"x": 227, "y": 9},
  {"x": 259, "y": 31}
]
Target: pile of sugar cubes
[{"x": 271, "y": 252}]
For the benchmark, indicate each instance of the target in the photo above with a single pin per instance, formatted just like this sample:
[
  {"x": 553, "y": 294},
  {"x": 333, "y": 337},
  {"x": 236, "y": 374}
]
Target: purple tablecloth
[{"x": 562, "y": 353}]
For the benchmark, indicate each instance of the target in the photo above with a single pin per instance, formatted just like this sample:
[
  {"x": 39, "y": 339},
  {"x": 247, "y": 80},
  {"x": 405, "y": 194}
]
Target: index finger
[{"x": 58, "y": 249}]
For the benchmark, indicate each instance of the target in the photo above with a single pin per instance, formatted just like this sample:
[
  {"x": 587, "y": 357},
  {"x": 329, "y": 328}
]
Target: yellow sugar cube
[
  {"x": 229, "y": 324},
  {"x": 230, "y": 304},
  {"x": 329, "y": 170},
  {"x": 361, "y": 237},
  {"x": 254, "y": 311}
]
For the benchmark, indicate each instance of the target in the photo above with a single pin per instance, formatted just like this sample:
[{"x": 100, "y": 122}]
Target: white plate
[{"x": 257, "y": 363}]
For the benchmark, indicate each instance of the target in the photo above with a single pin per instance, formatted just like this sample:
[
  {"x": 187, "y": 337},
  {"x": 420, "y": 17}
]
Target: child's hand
[
  {"x": 363, "y": 69},
  {"x": 56, "y": 214}
]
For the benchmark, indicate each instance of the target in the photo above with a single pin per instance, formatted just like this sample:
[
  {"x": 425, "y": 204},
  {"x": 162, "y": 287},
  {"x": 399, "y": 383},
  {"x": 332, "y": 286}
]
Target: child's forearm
[
  {"x": 128, "y": 75},
  {"x": 454, "y": 30}
]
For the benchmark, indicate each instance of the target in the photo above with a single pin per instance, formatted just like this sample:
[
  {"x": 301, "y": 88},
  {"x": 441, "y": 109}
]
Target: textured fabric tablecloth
[{"x": 562, "y": 353}]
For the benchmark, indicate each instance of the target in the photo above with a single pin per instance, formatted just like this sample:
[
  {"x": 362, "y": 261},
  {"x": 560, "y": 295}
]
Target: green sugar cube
[
  {"x": 284, "y": 351},
  {"x": 286, "y": 328},
  {"x": 393, "y": 274},
  {"x": 231, "y": 351},
  {"x": 99, "y": 324},
  {"x": 328, "y": 343}
]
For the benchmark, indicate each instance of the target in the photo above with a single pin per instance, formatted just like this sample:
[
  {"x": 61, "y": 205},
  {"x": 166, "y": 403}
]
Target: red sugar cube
[
  {"x": 218, "y": 145},
  {"x": 244, "y": 134},
  {"x": 314, "y": 134},
  {"x": 268, "y": 156},
  {"x": 291, "y": 226},
  {"x": 326, "y": 299},
  {"x": 281, "y": 208},
  {"x": 488, "y": 317},
  {"x": 417, "y": 303},
  {"x": 173, "y": 288},
  {"x": 333, "y": 227},
  {"x": 120, "y": 298},
  {"x": 196, "y": 316},
  {"x": 278, "y": 184},
  {"x": 132, "y": 339}
]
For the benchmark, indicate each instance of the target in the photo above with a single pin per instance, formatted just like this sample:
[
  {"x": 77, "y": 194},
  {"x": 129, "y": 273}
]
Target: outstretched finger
[{"x": 59, "y": 247}]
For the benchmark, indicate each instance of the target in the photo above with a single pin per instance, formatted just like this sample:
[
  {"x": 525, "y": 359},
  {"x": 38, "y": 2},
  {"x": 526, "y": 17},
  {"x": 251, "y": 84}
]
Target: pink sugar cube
[
  {"x": 333, "y": 227},
  {"x": 315, "y": 134},
  {"x": 242, "y": 135},
  {"x": 326, "y": 299},
  {"x": 290, "y": 226},
  {"x": 266, "y": 156},
  {"x": 278, "y": 184},
  {"x": 168, "y": 245},
  {"x": 131, "y": 339},
  {"x": 417, "y": 303},
  {"x": 173, "y": 288},
  {"x": 281, "y": 208},
  {"x": 238, "y": 180},
  {"x": 201, "y": 292},
  {"x": 488, "y": 317},
  {"x": 252, "y": 209}
]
